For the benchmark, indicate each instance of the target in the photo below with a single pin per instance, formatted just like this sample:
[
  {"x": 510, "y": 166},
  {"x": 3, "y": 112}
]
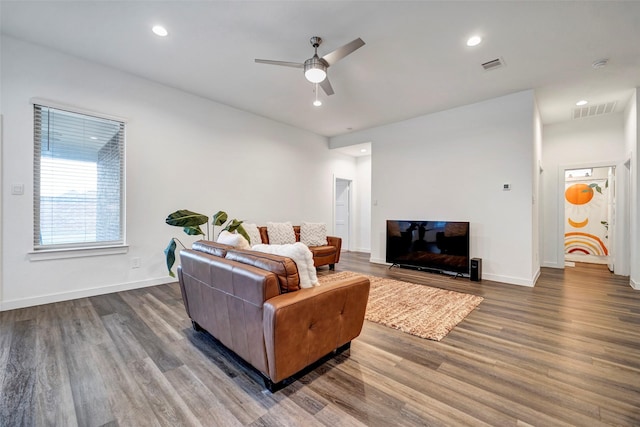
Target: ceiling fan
[{"x": 315, "y": 68}]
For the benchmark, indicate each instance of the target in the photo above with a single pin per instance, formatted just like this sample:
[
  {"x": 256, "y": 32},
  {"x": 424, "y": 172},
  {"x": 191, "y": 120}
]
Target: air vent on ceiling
[
  {"x": 594, "y": 110},
  {"x": 493, "y": 64}
]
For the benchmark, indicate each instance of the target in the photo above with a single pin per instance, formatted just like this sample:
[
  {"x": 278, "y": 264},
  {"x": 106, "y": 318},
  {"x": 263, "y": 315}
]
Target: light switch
[
  {"x": 506, "y": 187},
  {"x": 17, "y": 189}
]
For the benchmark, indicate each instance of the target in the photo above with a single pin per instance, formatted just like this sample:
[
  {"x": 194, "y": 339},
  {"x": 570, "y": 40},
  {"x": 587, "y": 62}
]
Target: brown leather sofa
[
  {"x": 322, "y": 255},
  {"x": 252, "y": 303}
]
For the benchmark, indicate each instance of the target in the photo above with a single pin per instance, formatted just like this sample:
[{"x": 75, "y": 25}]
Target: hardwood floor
[{"x": 566, "y": 352}]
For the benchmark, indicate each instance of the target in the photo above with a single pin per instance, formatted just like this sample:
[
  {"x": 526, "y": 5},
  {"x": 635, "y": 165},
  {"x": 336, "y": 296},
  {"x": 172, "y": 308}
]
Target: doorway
[
  {"x": 342, "y": 211},
  {"x": 589, "y": 212}
]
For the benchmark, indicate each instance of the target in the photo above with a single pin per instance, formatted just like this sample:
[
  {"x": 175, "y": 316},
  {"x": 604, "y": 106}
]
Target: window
[
  {"x": 78, "y": 180},
  {"x": 578, "y": 173}
]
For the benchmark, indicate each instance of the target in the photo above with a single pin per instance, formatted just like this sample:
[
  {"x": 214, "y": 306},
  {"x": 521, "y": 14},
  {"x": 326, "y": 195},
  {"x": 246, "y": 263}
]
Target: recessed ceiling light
[
  {"x": 159, "y": 30},
  {"x": 317, "y": 103},
  {"x": 474, "y": 41},
  {"x": 363, "y": 150},
  {"x": 582, "y": 102}
]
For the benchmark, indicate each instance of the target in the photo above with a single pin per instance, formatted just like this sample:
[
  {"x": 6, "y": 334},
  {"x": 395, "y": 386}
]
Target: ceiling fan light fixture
[
  {"x": 315, "y": 75},
  {"x": 315, "y": 70}
]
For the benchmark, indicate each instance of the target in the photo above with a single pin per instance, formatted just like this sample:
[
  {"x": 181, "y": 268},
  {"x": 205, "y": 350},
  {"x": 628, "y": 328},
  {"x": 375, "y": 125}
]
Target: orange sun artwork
[{"x": 582, "y": 236}]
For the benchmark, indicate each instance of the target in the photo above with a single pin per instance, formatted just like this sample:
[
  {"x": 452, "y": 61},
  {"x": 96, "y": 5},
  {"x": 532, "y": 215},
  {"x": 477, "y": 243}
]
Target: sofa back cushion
[
  {"x": 211, "y": 248},
  {"x": 313, "y": 233},
  {"x": 280, "y": 233},
  {"x": 284, "y": 268},
  {"x": 255, "y": 238},
  {"x": 264, "y": 234}
]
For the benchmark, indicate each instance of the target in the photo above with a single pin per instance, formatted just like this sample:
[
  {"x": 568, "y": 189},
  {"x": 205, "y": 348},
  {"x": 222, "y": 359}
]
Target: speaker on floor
[{"x": 476, "y": 270}]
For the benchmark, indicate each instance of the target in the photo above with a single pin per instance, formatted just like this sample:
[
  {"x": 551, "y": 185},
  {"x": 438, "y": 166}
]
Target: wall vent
[
  {"x": 594, "y": 110},
  {"x": 493, "y": 64}
]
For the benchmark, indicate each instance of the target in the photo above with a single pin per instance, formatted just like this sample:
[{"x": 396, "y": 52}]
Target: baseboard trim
[
  {"x": 551, "y": 264},
  {"x": 82, "y": 293},
  {"x": 635, "y": 285}
]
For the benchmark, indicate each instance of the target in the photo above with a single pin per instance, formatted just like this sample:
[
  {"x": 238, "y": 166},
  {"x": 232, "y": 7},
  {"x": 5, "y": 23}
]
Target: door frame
[
  {"x": 621, "y": 254},
  {"x": 349, "y": 207}
]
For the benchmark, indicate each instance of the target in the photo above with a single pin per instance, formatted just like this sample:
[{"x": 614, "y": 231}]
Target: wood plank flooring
[{"x": 566, "y": 352}]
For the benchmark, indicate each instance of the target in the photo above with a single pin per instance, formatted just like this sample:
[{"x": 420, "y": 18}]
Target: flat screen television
[{"x": 429, "y": 245}]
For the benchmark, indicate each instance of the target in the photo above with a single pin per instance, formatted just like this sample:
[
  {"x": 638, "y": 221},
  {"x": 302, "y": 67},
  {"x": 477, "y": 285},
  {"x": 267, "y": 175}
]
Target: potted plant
[{"x": 190, "y": 223}]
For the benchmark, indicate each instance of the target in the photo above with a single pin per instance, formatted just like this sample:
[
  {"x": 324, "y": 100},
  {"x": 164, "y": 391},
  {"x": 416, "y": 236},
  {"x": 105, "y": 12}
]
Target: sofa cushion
[
  {"x": 284, "y": 268},
  {"x": 301, "y": 255},
  {"x": 211, "y": 248},
  {"x": 253, "y": 232},
  {"x": 313, "y": 233},
  {"x": 233, "y": 239},
  {"x": 280, "y": 233}
]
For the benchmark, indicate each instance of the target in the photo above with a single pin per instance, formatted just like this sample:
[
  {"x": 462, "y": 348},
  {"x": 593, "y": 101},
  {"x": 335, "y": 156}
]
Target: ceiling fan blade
[
  {"x": 333, "y": 57},
  {"x": 326, "y": 86},
  {"x": 283, "y": 63}
]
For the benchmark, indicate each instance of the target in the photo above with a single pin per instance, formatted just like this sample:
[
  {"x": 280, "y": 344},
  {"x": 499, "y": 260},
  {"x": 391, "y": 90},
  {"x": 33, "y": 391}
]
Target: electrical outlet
[
  {"x": 135, "y": 262},
  {"x": 506, "y": 187}
]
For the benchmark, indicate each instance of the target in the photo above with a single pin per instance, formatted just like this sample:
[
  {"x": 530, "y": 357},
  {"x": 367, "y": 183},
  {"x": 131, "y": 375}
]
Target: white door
[{"x": 342, "y": 204}]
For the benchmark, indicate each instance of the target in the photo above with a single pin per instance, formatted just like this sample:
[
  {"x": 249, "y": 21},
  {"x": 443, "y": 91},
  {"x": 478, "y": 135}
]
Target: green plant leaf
[
  {"x": 170, "y": 254},
  {"x": 243, "y": 233},
  {"x": 233, "y": 225},
  {"x": 187, "y": 219},
  {"x": 220, "y": 218},
  {"x": 193, "y": 230}
]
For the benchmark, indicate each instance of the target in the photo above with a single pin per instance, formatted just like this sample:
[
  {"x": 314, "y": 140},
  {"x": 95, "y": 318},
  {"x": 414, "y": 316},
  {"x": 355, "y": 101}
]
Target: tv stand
[{"x": 453, "y": 275}]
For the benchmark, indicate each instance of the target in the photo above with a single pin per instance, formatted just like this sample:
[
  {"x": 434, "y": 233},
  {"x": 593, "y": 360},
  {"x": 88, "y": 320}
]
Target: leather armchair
[{"x": 249, "y": 302}]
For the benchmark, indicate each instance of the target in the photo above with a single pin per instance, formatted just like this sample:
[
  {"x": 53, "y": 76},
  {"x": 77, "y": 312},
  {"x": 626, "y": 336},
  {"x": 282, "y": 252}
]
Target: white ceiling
[{"x": 415, "y": 60}]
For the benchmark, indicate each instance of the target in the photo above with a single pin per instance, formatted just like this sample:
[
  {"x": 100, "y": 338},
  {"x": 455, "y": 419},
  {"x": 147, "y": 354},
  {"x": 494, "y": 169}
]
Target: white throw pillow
[
  {"x": 313, "y": 233},
  {"x": 281, "y": 233},
  {"x": 233, "y": 239},
  {"x": 253, "y": 232},
  {"x": 300, "y": 254}
]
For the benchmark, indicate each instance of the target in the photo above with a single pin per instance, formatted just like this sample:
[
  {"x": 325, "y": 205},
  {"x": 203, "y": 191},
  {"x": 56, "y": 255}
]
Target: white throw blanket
[{"x": 300, "y": 254}]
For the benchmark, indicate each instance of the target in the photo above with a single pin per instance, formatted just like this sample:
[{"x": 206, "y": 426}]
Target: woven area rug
[{"x": 415, "y": 309}]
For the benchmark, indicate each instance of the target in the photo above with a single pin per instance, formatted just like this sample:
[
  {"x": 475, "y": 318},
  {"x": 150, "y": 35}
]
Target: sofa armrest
[
  {"x": 304, "y": 326},
  {"x": 337, "y": 242}
]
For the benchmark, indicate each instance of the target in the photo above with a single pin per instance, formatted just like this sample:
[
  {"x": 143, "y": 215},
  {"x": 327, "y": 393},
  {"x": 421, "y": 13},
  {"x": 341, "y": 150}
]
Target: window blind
[{"x": 78, "y": 180}]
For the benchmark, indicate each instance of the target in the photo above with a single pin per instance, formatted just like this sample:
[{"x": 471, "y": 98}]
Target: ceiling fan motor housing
[{"x": 315, "y": 68}]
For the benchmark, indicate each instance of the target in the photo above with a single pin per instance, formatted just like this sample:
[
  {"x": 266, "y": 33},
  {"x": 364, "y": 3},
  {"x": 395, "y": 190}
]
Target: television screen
[{"x": 436, "y": 245}]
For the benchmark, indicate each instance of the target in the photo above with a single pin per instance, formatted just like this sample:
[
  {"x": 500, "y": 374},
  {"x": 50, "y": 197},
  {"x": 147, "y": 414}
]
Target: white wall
[
  {"x": 182, "y": 152},
  {"x": 452, "y": 166},
  {"x": 363, "y": 201},
  {"x": 632, "y": 153},
  {"x": 586, "y": 142}
]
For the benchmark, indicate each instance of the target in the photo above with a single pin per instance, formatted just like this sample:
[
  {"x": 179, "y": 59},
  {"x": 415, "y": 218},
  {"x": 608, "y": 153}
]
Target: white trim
[
  {"x": 635, "y": 285},
  {"x": 350, "y": 225},
  {"x": 74, "y": 109},
  {"x": 66, "y": 296},
  {"x": 49, "y": 254},
  {"x": 551, "y": 264},
  {"x": 1, "y": 210}
]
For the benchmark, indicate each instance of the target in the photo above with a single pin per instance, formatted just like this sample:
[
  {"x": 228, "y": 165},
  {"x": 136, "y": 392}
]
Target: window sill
[{"x": 50, "y": 254}]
